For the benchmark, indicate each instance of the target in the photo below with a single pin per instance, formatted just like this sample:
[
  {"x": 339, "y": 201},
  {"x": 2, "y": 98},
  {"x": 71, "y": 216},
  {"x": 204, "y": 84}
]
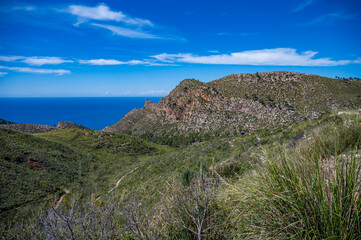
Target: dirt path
[
  {"x": 61, "y": 198},
  {"x": 118, "y": 182}
]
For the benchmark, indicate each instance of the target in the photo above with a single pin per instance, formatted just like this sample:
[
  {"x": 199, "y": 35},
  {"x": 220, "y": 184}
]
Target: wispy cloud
[
  {"x": 3, "y": 74},
  {"x": 303, "y": 5},
  {"x": 37, "y": 70},
  {"x": 117, "y": 22},
  {"x": 10, "y": 58},
  {"x": 105, "y": 62},
  {"x": 154, "y": 93},
  {"x": 126, "y": 32},
  {"x": 25, "y": 8},
  {"x": 37, "y": 61},
  {"x": 104, "y": 13},
  {"x": 102, "y": 62},
  {"x": 332, "y": 17},
  {"x": 265, "y": 57}
]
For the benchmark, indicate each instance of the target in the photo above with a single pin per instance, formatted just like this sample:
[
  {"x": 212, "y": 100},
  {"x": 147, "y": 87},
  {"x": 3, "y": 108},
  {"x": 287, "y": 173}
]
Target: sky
[{"x": 145, "y": 48}]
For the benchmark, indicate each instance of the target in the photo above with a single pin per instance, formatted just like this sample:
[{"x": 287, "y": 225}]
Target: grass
[
  {"x": 308, "y": 191},
  {"x": 296, "y": 182},
  {"x": 24, "y": 187}
]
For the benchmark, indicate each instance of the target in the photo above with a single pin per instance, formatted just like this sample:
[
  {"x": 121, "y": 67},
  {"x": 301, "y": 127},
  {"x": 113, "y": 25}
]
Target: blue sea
[{"x": 93, "y": 112}]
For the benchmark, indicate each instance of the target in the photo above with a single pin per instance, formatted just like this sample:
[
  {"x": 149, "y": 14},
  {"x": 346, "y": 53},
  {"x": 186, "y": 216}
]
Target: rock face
[
  {"x": 67, "y": 124},
  {"x": 241, "y": 103}
]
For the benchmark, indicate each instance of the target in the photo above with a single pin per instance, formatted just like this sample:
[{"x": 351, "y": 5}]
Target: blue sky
[{"x": 145, "y": 48}]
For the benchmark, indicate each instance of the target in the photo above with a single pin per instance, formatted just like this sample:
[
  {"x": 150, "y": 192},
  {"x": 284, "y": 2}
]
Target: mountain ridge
[{"x": 240, "y": 103}]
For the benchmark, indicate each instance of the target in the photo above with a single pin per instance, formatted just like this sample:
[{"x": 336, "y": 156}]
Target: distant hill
[
  {"x": 38, "y": 128},
  {"x": 2, "y": 121},
  {"x": 241, "y": 103},
  {"x": 67, "y": 124}
]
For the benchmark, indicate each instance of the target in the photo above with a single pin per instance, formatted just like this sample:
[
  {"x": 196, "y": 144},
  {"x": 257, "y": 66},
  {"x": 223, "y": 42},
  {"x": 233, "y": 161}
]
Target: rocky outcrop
[
  {"x": 241, "y": 103},
  {"x": 38, "y": 128},
  {"x": 28, "y": 127},
  {"x": 67, "y": 124}
]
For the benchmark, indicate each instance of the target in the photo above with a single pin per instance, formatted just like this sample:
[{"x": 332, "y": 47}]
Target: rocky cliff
[{"x": 241, "y": 103}]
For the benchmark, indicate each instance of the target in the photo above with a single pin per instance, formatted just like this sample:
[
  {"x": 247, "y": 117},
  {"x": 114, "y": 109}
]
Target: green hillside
[
  {"x": 156, "y": 176},
  {"x": 33, "y": 168},
  {"x": 38, "y": 167}
]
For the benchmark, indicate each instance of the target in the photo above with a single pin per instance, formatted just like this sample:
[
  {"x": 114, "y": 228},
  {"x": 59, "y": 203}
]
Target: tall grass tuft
[{"x": 313, "y": 196}]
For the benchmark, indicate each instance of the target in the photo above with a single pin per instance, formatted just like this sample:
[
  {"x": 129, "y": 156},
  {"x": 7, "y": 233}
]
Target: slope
[{"x": 239, "y": 104}]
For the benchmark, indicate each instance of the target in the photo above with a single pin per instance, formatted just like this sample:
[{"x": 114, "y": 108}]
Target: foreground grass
[{"x": 309, "y": 191}]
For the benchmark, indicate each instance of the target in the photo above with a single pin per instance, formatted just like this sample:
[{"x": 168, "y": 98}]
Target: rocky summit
[
  {"x": 241, "y": 103},
  {"x": 67, "y": 124}
]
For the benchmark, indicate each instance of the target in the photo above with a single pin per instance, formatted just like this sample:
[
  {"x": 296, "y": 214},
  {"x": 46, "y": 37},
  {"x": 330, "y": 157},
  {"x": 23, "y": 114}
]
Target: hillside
[
  {"x": 155, "y": 190},
  {"x": 238, "y": 104},
  {"x": 33, "y": 168},
  {"x": 36, "y": 168}
]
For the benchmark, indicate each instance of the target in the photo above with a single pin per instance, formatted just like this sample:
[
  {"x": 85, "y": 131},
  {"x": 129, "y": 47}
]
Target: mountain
[{"x": 240, "y": 103}]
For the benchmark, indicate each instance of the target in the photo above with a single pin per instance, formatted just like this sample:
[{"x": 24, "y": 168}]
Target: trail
[
  {"x": 118, "y": 182},
  {"x": 349, "y": 112},
  {"x": 61, "y": 198}
]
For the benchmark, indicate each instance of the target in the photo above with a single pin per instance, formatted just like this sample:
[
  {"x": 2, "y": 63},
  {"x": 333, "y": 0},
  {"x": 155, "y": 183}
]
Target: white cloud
[
  {"x": 150, "y": 93},
  {"x": 37, "y": 70},
  {"x": 265, "y": 57},
  {"x": 126, "y": 32},
  {"x": 127, "y": 93},
  {"x": 104, "y": 62},
  {"x": 111, "y": 62},
  {"x": 103, "y": 12},
  {"x": 39, "y": 61},
  {"x": 10, "y": 58},
  {"x": 101, "y": 62},
  {"x": 154, "y": 93},
  {"x": 3, "y": 74}
]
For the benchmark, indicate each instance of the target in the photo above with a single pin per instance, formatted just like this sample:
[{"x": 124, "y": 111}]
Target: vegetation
[
  {"x": 300, "y": 182},
  {"x": 286, "y": 169}
]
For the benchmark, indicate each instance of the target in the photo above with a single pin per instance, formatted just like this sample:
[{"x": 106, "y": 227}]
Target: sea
[{"x": 93, "y": 112}]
